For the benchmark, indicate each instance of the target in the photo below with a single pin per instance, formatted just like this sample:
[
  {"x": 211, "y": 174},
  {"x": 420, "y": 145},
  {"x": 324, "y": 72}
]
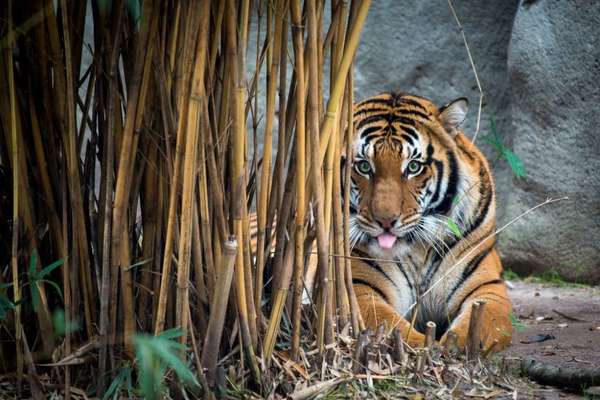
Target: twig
[
  {"x": 314, "y": 390},
  {"x": 570, "y": 318},
  {"x": 462, "y": 32}
]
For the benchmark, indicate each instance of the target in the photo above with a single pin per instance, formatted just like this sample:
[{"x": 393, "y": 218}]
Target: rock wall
[{"x": 554, "y": 72}]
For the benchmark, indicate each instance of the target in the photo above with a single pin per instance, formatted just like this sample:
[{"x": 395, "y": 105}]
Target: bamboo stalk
[
  {"x": 283, "y": 267},
  {"x": 357, "y": 323},
  {"x": 238, "y": 184},
  {"x": 295, "y": 11},
  {"x": 159, "y": 322},
  {"x": 360, "y": 361},
  {"x": 15, "y": 199},
  {"x": 189, "y": 174},
  {"x": 337, "y": 90},
  {"x": 150, "y": 215},
  {"x": 263, "y": 193},
  {"x": 398, "y": 346},
  {"x": 105, "y": 329},
  {"x": 322, "y": 240},
  {"x": 214, "y": 333},
  {"x": 430, "y": 334},
  {"x": 450, "y": 344},
  {"x": 66, "y": 286},
  {"x": 70, "y": 140},
  {"x": 473, "y": 345}
]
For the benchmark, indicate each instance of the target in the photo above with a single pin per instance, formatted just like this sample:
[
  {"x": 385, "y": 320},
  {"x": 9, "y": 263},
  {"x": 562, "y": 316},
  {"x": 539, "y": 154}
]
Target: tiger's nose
[{"x": 386, "y": 223}]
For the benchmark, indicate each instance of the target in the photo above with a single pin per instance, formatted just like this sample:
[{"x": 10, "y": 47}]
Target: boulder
[{"x": 553, "y": 71}]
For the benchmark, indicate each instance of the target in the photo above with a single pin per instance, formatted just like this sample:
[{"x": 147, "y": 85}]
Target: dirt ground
[{"x": 567, "y": 317}]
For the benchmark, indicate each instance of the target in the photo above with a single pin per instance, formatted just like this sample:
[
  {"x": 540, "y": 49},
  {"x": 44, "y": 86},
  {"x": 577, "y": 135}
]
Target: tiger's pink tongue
[{"x": 386, "y": 240}]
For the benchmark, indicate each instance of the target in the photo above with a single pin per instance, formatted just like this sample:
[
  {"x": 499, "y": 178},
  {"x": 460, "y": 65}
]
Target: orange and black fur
[{"x": 423, "y": 199}]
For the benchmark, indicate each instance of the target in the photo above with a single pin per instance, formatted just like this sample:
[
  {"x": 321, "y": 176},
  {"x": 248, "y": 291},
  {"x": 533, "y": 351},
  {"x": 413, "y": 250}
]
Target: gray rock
[{"x": 554, "y": 67}]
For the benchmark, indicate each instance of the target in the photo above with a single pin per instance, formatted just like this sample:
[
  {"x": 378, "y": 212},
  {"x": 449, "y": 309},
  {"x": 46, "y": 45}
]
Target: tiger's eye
[
  {"x": 414, "y": 167},
  {"x": 363, "y": 167}
]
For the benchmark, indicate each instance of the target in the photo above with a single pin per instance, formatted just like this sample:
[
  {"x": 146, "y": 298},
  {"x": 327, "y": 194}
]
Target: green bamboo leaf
[
  {"x": 55, "y": 286},
  {"x": 454, "y": 228},
  {"x": 115, "y": 386},
  {"x": 513, "y": 161},
  {"x": 32, "y": 262},
  {"x": 61, "y": 325},
  {"x": 50, "y": 268},
  {"x": 171, "y": 333},
  {"x": 149, "y": 377},
  {"x": 135, "y": 11},
  {"x": 172, "y": 360},
  {"x": 5, "y": 306}
]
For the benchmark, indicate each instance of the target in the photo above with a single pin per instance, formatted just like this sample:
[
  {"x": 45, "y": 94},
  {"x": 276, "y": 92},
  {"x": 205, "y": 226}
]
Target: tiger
[{"x": 422, "y": 222}]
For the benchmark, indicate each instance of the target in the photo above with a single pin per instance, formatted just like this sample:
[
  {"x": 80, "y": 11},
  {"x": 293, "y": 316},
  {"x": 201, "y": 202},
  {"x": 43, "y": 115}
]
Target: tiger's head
[{"x": 405, "y": 172}]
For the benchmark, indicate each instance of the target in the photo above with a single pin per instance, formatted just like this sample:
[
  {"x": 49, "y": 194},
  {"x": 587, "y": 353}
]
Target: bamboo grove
[{"x": 142, "y": 174}]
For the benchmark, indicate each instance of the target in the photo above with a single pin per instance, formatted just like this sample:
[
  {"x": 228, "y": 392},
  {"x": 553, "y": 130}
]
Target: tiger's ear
[{"x": 453, "y": 114}]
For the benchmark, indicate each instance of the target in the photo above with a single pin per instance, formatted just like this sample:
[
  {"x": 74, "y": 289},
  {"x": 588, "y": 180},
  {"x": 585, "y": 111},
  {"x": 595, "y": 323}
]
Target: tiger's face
[{"x": 404, "y": 172}]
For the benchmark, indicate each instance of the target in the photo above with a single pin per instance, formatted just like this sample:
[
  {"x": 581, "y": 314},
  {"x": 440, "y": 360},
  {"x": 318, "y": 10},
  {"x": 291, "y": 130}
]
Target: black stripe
[
  {"x": 411, "y": 132},
  {"x": 410, "y": 285},
  {"x": 370, "y": 130},
  {"x": 380, "y": 101},
  {"x": 429, "y": 154},
  {"x": 369, "y": 120},
  {"x": 492, "y": 282},
  {"x": 402, "y": 120},
  {"x": 364, "y": 257},
  {"x": 413, "y": 103},
  {"x": 485, "y": 193},
  {"x": 358, "y": 281},
  {"x": 408, "y": 138},
  {"x": 486, "y": 197},
  {"x": 412, "y": 112},
  {"x": 446, "y": 204},
  {"x": 371, "y": 110},
  {"x": 372, "y": 135},
  {"x": 433, "y": 267},
  {"x": 436, "y": 193},
  {"x": 472, "y": 267}
]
